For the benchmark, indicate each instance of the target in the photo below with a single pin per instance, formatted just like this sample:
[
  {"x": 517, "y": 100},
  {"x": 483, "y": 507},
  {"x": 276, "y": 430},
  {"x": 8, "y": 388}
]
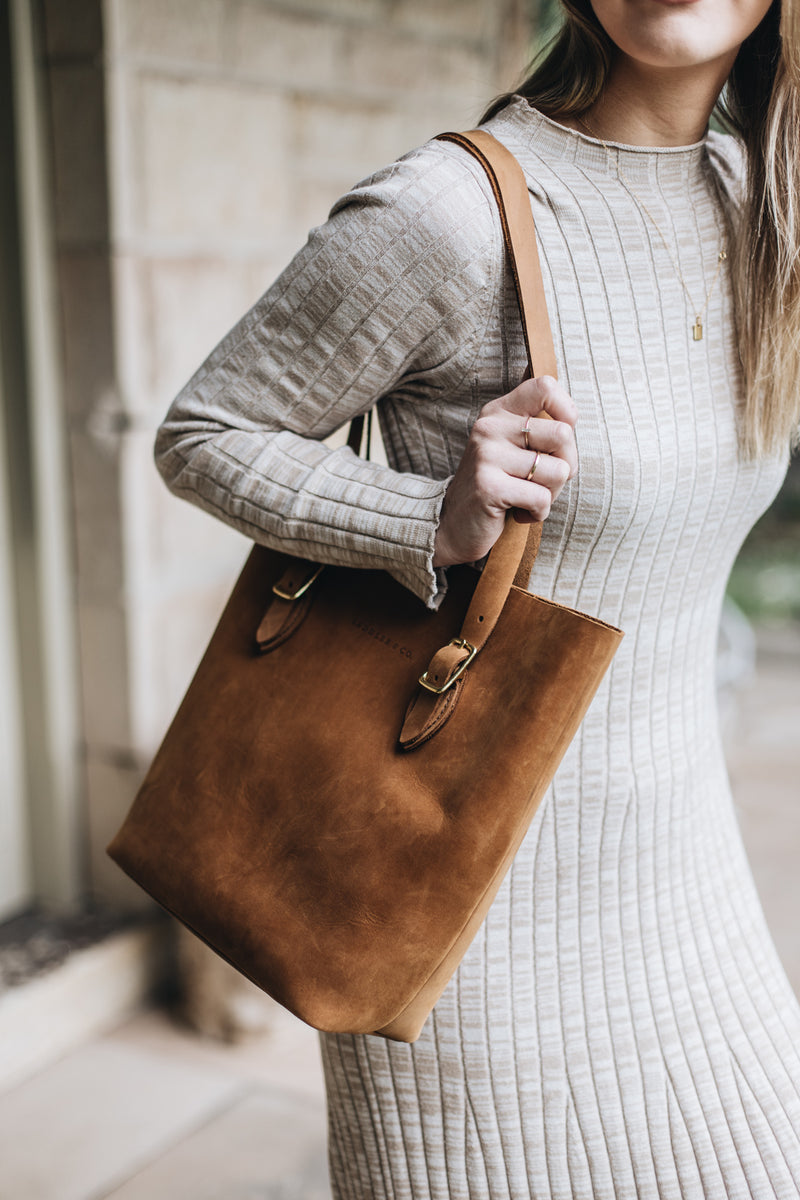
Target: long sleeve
[{"x": 388, "y": 301}]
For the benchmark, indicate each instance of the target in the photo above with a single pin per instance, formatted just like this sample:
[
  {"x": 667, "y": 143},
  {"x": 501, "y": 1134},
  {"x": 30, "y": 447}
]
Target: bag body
[{"x": 349, "y": 775}]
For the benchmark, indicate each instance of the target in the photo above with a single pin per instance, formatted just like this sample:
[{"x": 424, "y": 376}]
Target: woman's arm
[{"x": 397, "y": 286}]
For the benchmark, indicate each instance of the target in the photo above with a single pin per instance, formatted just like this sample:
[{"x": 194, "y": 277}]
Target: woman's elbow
[
  {"x": 174, "y": 448},
  {"x": 165, "y": 452}
]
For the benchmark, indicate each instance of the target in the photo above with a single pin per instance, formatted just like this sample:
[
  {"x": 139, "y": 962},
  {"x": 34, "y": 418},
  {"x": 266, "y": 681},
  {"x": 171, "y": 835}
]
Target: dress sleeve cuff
[{"x": 427, "y": 582}]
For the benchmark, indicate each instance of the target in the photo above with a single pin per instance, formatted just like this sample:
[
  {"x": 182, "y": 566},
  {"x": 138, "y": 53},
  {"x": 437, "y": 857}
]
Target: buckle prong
[
  {"x": 437, "y": 688},
  {"x": 301, "y": 589}
]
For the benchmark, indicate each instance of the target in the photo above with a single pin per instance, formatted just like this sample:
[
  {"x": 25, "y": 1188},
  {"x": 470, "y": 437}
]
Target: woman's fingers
[
  {"x": 531, "y": 426},
  {"x": 535, "y": 495},
  {"x": 499, "y": 433},
  {"x": 544, "y": 394},
  {"x": 555, "y": 438},
  {"x": 533, "y": 498},
  {"x": 550, "y": 471},
  {"x": 500, "y": 478}
]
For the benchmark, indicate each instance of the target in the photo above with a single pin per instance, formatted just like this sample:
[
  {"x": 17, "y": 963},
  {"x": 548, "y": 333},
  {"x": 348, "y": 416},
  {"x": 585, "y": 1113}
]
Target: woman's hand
[{"x": 492, "y": 475}]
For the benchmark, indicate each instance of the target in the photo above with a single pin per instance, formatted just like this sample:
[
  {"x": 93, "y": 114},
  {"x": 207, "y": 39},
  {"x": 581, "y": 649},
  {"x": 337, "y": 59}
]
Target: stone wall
[{"x": 195, "y": 144}]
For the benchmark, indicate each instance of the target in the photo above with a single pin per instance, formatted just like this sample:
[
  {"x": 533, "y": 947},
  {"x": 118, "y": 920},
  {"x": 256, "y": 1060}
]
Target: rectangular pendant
[{"x": 697, "y": 330}]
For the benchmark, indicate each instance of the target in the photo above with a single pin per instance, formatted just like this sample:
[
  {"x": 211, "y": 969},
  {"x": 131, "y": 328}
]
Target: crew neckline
[
  {"x": 587, "y": 137},
  {"x": 551, "y": 140}
]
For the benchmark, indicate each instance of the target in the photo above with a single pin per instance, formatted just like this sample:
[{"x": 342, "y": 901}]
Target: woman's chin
[{"x": 678, "y": 34}]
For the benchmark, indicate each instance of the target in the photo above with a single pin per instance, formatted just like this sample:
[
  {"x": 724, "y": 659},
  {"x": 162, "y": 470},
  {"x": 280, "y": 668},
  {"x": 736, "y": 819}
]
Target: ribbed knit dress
[{"x": 621, "y": 1026}]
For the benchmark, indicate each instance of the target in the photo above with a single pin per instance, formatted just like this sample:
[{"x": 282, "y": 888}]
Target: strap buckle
[
  {"x": 302, "y": 587},
  {"x": 438, "y": 688}
]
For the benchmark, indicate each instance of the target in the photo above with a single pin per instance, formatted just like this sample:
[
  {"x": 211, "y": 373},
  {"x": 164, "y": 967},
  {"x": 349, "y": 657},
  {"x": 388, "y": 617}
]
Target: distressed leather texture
[{"x": 328, "y": 826}]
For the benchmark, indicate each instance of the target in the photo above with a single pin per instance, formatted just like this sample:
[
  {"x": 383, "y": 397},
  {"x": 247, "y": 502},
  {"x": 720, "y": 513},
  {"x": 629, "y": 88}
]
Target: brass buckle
[
  {"x": 302, "y": 589},
  {"x": 437, "y": 689}
]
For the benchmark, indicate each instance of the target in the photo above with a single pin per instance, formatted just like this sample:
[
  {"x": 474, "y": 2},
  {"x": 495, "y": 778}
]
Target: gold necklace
[{"x": 697, "y": 327}]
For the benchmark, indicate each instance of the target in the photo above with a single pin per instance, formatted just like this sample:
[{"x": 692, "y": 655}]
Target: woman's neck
[{"x": 654, "y": 108}]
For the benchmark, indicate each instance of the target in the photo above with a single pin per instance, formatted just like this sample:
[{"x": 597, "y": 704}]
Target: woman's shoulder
[
  {"x": 726, "y": 155},
  {"x": 435, "y": 194}
]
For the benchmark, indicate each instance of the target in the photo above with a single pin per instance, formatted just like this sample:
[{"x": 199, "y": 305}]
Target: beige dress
[{"x": 621, "y": 1027}]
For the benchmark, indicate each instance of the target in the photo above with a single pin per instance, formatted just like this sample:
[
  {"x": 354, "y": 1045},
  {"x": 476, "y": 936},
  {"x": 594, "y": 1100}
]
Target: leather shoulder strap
[
  {"x": 513, "y": 202},
  {"x": 512, "y": 556},
  {"x": 518, "y": 544}
]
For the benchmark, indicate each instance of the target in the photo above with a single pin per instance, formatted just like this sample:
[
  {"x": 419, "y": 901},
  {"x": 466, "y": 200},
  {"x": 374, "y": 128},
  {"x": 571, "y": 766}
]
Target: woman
[{"x": 621, "y": 1026}]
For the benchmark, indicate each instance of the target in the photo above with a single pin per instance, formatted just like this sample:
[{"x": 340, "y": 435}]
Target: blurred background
[{"x": 160, "y": 162}]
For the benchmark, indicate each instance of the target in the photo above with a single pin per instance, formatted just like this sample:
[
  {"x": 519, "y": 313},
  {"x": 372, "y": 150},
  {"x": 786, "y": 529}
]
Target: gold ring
[
  {"x": 532, "y": 471},
  {"x": 525, "y": 432}
]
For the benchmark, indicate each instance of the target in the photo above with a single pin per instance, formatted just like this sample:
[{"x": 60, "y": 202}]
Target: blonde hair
[{"x": 761, "y": 104}]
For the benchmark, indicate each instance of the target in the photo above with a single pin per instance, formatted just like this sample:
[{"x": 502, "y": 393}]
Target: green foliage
[
  {"x": 765, "y": 581},
  {"x": 545, "y": 21}
]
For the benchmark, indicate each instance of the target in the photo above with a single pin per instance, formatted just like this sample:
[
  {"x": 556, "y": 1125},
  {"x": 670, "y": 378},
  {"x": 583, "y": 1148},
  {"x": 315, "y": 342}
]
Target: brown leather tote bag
[{"x": 349, "y": 775}]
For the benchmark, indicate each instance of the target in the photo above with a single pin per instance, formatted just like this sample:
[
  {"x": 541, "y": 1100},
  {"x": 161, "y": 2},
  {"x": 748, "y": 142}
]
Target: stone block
[
  {"x": 180, "y": 565},
  {"x": 455, "y": 108},
  {"x": 104, "y": 1112},
  {"x": 190, "y": 548},
  {"x": 380, "y": 61},
  {"x": 211, "y": 161},
  {"x": 192, "y": 304},
  {"x": 314, "y": 198},
  {"x": 449, "y": 20},
  {"x": 92, "y": 990},
  {"x": 336, "y": 149},
  {"x": 77, "y": 115},
  {"x": 184, "y": 30},
  {"x": 297, "y": 51},
  {"x": 271, "y": 1144},
  {"x": 285, "y": 1059},
  {"x": 262, "y": 272},
  {"x": 349, "y": 11},
  {"x": 345, "y": 139},
  {"x": 182, "y": 627},
  {"x": 338, "y": 144}
]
